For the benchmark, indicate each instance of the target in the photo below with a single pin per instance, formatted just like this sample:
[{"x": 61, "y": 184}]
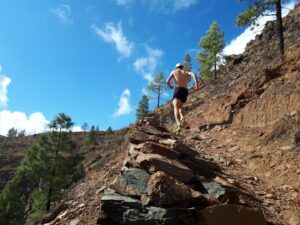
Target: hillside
[{"x": 244, "y": 141}]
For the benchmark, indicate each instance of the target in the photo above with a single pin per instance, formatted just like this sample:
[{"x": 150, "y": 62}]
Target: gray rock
[
  {"x": 225, "y": 194},
  {"x": 214, "y": 189},
  {"x": 132, "y": 182},
  {"x": 126, "y": 210}
]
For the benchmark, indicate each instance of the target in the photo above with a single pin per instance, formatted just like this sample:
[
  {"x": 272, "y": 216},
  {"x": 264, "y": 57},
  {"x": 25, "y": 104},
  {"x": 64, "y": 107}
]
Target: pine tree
[
  {"x": 109, "y": 130},
  {"x": 91, "y": 137},
  {"x": 47, "y": 163},
  {"x": 12, "y": 204},
  {"x": 22, "y": 133},
  {"x": 211, "y": 47},
  {"x": 49, "y": 167},
  {"x": 258, "y": 8},
  {"x": 85, "y": 126},
  {"x": 12, "y": 132},
  {"x": 187, "y": 63},
  {"x": 143, "y": 108},
  {"x": 157, "y": 86}
]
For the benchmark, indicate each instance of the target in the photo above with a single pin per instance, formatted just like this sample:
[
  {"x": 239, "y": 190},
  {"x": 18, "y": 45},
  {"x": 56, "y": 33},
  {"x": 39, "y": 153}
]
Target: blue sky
[{"x": 93, "y": 59}]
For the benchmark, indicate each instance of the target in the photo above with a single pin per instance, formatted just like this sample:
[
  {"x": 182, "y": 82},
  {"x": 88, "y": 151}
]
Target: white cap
[{"x": 178, "y": 65}]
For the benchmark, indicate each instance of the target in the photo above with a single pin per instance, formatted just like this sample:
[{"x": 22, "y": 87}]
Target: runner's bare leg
[
  {"x": 180, "y": 111},
  {"x": 176, "y": 104}
]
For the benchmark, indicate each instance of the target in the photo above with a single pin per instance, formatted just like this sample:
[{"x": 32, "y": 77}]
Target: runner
[{"x": 181, "y": 79}]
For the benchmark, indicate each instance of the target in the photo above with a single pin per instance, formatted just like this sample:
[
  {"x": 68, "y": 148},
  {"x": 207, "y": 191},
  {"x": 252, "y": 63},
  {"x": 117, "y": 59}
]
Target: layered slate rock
[
  {"x": 139, "y": 137},
  {"x": 161, "y": 183},
  {"x": 127, "y": 210},
  {"x": 154, "y": 148},
  {"x": 155, "y": 162}
]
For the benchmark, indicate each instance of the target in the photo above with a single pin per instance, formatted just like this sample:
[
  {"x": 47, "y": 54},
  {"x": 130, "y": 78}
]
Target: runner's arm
[
  {"x": 195, "y": 79},
  {"x": 168, "y": 81}
]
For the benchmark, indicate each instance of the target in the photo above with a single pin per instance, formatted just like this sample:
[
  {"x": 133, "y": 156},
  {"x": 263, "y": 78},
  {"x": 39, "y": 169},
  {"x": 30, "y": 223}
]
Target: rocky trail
[{"x": 238, "y": 164}]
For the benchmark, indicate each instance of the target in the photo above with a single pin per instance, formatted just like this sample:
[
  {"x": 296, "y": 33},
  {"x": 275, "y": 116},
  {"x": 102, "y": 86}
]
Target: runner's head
[{"x": 179, "y": 66}]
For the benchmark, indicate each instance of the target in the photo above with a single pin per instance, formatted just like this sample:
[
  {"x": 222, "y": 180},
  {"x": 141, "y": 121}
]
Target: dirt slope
[{"x": 248, "y": 123}]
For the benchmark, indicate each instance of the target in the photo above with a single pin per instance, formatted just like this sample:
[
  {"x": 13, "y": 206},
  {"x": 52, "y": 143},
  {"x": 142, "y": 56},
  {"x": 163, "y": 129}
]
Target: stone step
[{"x": 154, "y": 162}]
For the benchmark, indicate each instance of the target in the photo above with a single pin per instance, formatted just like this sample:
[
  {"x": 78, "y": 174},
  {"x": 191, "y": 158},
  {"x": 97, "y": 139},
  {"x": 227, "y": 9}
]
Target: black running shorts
[{"x": 181, "y": 94}]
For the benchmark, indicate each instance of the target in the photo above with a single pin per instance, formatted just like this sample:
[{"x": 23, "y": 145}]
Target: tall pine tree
[
  {"x": 211, "y": 47},
  {"x": 49, "y": 167},
  {"x": 50, "y": 162},
  {"x": 158, "y": 86},
  {"x": 187, "y": 63},
  {"x": 143, "y": 108},
  {"x": 259, "y": 8}
]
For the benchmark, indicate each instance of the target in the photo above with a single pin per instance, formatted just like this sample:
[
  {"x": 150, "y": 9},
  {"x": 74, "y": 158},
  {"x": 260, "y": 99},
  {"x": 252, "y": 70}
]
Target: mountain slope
[{"x": 247, "y": 123}]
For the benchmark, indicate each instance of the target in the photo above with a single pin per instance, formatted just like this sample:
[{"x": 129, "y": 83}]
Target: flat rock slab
[
  {"x": 138, "y": 137},
  {"x": 154, "y": 163},
  {"x": 132, "y": 182},
  {"x": 230, "y": 215},
  {"x": 154, "y": 148},
  {"x": 155, "y": 130},
  {"x": 201, "y": 167},
  {"x": 126, "y": 210},
  {"x": 179, "y": 147}
]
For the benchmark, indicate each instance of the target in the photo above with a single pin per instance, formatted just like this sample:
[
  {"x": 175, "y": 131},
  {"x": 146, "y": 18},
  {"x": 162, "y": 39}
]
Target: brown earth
[{"x": 248, "y": 123}]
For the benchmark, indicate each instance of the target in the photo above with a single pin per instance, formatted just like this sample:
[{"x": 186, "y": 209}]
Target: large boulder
[
  {"x": 165, "y": 190},
  {"x": 155, "y": 162}
]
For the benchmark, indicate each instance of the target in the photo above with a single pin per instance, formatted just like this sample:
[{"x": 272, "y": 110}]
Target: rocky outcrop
[{"x": 164, "y": 181}]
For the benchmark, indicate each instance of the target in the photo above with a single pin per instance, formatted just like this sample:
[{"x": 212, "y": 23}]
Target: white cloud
[
  {"x": 35, "y": 123},
  {"x": 124, "y": 2},
  {"x": 77, "y": 129},
  {"x": 147, "y": 65},
  {"x": 124, "y": 105},
  {"x": 238, "y": 45},
  {"x": 113, "y": 34},
  {"x": 181, "y": 4},
  {"x": 64, "y": 13},
  {"x": 4, "y": 82},
  {"x": 166, "y": 6}
]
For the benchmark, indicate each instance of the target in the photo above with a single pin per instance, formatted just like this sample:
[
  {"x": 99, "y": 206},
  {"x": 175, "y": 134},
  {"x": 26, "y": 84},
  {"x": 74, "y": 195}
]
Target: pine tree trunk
[
  {"x": 215, "y": 70},
  {"x": 53, "y": 172},
  {"x": 158, "y": 98},
  {"x": 48, "y": 203},
  {"x": 280, "y": 26}
]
